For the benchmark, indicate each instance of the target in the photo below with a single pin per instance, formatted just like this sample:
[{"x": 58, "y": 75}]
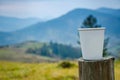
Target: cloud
[
  {"x": 36, "y": 9},
  {"x": 50, "y": 8},
  {"x": 14, "y": 1}
]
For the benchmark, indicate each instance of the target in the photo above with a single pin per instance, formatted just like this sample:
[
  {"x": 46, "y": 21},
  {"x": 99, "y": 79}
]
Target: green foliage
[
  {"x": 105, "y": 49},
  {"x": 57, "y": 51},
  {"x": 65, "y": 51},
  {"x": 65, "y": 64},
  {"x": 90, "y": 22}
]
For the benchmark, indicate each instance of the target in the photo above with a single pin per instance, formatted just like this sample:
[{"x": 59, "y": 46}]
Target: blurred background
[{"x": 40, "y": 31}]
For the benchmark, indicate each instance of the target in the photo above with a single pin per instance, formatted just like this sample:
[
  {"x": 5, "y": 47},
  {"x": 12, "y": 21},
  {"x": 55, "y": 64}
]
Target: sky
[{"x": 48, "y": 9}]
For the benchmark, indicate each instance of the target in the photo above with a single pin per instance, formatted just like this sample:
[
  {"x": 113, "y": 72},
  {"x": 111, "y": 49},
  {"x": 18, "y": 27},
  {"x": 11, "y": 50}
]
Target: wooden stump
[{"x": 96, "y": 69}]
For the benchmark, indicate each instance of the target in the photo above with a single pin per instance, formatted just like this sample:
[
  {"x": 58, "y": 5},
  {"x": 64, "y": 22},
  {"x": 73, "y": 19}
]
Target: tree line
[{"x": 56, "y": 50}]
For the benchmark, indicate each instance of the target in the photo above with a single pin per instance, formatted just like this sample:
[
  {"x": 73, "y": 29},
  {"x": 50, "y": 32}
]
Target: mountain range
[
  {"x": 8, "y": 24},
  {"x": 64, "y": 28},
  {"x": 114, "y": 12}
]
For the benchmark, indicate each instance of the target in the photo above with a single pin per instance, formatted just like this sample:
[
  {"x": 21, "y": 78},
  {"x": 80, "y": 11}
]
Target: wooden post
[{"x": 96, "y": 69}]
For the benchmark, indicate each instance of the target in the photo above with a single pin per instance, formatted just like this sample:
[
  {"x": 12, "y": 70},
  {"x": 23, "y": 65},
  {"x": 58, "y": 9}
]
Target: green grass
[
  {"x": 36, "y": 71},
  {"x": 42, "y": 71},
  {"x": 117, "y": 70}
]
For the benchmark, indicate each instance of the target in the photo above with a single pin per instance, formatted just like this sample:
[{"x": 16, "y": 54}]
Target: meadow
[{"x": 42, "y": 71}]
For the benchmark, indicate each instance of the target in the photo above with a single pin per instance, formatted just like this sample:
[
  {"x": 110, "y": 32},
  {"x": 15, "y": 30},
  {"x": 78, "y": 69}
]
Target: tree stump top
[{"x": 103, "y": 59}]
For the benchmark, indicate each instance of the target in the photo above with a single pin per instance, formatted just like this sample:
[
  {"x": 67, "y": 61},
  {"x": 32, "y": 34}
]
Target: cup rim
[{"x": 88, "y": 29}]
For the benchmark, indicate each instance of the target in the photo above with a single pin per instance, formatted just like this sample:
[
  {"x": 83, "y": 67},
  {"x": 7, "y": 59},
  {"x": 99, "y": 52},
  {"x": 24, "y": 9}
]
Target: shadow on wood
[{"x": 96, "y": 69}]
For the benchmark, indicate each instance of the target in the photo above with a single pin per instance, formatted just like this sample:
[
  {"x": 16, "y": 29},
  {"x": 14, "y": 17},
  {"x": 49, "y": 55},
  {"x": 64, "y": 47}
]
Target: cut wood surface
[{"x": 96, "y": 69}]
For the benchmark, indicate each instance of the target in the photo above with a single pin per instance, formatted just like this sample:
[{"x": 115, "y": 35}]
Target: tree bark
[{"x": 96, "y": 69}]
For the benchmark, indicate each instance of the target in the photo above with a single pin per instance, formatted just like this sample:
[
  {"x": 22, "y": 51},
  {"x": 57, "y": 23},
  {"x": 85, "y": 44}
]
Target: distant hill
[
  {"x": 18, "y": 53},
  {"x": 33, "y": 51},
  {"x": 8, "y": 24},
  {"x": 64, "y": 28},
  {"x": 114, "y": 12}
]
